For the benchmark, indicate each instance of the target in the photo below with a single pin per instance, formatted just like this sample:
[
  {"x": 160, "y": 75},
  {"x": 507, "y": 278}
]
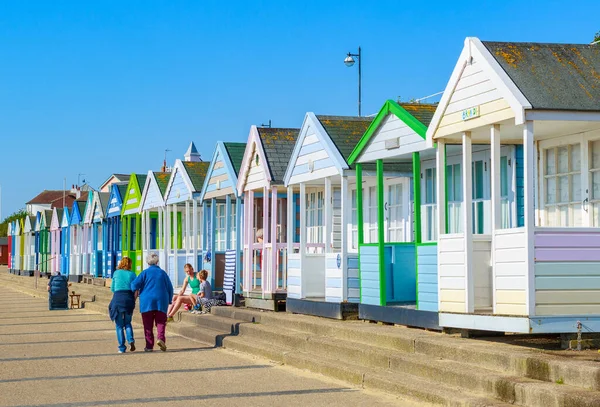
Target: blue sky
[{"x": 107, "y": 86}]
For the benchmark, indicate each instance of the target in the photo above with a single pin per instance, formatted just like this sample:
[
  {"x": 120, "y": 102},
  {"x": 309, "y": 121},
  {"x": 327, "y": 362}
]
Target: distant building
[
  {"x": 49, "y": 199},
  {"x": 105, "y": 187}
]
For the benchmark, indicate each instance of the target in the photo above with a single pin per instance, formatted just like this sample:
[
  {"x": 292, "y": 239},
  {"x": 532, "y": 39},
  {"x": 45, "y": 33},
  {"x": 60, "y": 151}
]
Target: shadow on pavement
[
  {"x": 129, "y": 374},
  {"x": 197, "y": 398}
]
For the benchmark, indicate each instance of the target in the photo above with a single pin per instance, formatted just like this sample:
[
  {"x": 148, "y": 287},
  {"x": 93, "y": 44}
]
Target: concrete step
[
  {"x": 240, "y": 314},
  {"x": 513, "y": 360},
  {"x": 503, "y": 358},
  {"x": 394, "y": 382},
  {"x": 218, "y": 323}
]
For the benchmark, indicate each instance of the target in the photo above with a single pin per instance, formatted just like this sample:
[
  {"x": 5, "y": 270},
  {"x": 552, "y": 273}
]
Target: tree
[
  {"x": 597, "y": 37},
  {"x": 20, "y": 214}
]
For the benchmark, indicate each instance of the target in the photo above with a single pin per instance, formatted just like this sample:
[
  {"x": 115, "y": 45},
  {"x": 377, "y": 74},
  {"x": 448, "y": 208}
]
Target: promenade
[{"x": 69, "y": 358}]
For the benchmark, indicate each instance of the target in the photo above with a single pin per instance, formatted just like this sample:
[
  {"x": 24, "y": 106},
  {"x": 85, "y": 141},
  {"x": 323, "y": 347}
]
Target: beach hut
[
  {"x": 65, "y": 235},
  {"x": 184, "y": 215},
  {"x": 99, "y": 232},
  {"x": 56, "y": 246},
  {"x": 29, "y": 252},
  {"x": 322, "y": 276},
  {"x": 76, "y": 240},
  {"x": 87, "y": 232},
  {"x": 4, "y": 250},
  {"x": 131, "y": 222},
  {"x": 223, "y": 208},
  {"x": 397, "y": 239},
  {"x": 42, "y": 230},
  {"x": 112, "y": 253},
  {"x": 537, "y": 270},
  {"x": 10, "y": 246},
  {"x": 270, "y": 210},
  {"x": 153, "y": 214}
]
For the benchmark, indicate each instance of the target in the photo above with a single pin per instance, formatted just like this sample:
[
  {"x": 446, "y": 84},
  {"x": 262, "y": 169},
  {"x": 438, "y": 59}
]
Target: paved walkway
[{"x": 69, "y": 358}]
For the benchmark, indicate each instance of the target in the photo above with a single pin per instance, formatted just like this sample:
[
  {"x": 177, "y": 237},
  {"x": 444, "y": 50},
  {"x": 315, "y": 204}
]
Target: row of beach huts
[{"x": 479, "y": 212}]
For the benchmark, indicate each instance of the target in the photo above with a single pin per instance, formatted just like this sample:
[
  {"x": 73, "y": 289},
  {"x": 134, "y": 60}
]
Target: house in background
[{"x": 113, "y": 179}]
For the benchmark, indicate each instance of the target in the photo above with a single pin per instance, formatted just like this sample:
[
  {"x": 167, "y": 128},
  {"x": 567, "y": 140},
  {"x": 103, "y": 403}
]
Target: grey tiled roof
[
  {"x": 346, "y": 132},
  {"x": 423, "y": 112},
  {"x": 278, "y": 144},
  {"x": 236, "y": 155},
  {"x": 552, "y": 76}
]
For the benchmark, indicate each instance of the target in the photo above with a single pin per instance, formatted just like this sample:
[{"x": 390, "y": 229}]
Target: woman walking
[
  {"x": 181, "y": 299},
  {"x": 156, "y": 291},
  {"x": 122, "y": 304}
]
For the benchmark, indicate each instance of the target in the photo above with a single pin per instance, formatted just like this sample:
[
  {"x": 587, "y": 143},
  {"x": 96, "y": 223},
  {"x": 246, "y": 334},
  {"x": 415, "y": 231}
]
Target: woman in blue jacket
[
  {"x": 122, "y": 304},
  {"x": 155, "y": 292}
]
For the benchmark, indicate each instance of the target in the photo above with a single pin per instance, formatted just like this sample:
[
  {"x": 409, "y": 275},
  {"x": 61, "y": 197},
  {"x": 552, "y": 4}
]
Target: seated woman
[{"x": 181, "y": 298}]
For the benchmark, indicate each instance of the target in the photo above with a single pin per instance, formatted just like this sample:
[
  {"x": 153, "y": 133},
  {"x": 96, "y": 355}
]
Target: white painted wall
[
  {"x": 510, "y": 272},
  {"x": 390, "y": 129},
  {"x": 451, "y": 273}
]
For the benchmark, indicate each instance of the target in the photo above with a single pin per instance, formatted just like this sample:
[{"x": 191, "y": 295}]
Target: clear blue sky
[{"x": 106, "y": 86}]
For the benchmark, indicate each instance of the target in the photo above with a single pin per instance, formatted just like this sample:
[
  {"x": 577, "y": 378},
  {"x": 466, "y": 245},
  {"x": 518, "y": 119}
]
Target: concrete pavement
[{"x": 69, "y": 358}]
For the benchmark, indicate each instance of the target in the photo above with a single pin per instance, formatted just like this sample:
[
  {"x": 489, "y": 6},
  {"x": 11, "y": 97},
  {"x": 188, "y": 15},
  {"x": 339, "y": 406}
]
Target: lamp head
[{"x": 349, "y": 61}]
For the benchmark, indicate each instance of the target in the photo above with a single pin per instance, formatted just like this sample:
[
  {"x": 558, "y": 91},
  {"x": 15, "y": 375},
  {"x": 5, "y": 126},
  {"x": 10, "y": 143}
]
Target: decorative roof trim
[
  {"x": 507, "y": 88},
  {"x": 389, "y": 107},
  {"x": 310, "y": 119},
  {"x": 253, "y": 137}
]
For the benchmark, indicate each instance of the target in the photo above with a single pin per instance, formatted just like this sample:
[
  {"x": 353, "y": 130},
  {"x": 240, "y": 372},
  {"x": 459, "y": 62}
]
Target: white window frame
[
  {"x": 315, "y": 220},
  {"x": 219, "y": 227},
  {"x": 583, "y": 173},
  {"x": 406, "y": 217},
  {"x": 428, "y": 229}
]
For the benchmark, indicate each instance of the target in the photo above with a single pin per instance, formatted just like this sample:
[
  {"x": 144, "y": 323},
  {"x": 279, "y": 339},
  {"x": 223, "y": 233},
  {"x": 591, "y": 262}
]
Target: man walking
[{"x": 155, "y": 293}]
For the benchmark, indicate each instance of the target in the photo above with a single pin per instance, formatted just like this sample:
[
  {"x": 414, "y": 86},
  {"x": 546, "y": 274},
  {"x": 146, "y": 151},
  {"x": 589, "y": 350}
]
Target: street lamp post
[{"x": 349, "y": 61}]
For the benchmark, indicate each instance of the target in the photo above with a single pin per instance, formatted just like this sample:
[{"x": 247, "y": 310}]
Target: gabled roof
[
  {"x": 345, "y": 131},
  {"x": 197, "y": 173},
  {"x": 77, "y": 213},
  {"x": 278, "y": 144},
  {"x": 223, "y": 153},
  {"x": 65, "y": 218},
  {"x": 57, "y": 214},
  {"x": 415, "y": 115},
  {"x": 475, "y": 52},
  {"x": 552, "y": 76},
  {"x": 54, "y": 198},
  {"x": 117, "y": 178},
  {"x": 115, "y": 201},
  {"x": 162, "y": 180},
  {"x": 132, "y": 200},
  {"x": 236, "y": 155}
]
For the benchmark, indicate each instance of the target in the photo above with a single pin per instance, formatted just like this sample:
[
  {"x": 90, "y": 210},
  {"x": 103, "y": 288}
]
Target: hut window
[
  {"x": 429, "y": 207},
  {"x": 233, "y": 225},
  {"x": 220, "y": 227},
  {"x": 562, "y": 181},
  {"x": 396, "y": 216},
  {"x": 314, "y": 220},
  {"x": 372, "y": 215},
  {"x": 354, "y": 219},
  {"x": 454, "y": 188}
]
